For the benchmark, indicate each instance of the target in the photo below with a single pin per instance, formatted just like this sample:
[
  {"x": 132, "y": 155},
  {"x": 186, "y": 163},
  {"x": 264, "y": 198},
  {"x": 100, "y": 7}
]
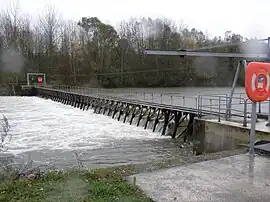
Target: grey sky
[{"x": 247, "y": 17}]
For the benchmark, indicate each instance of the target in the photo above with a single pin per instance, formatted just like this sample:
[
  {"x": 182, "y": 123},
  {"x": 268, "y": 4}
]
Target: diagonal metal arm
[{"x": 205, "y": 54}]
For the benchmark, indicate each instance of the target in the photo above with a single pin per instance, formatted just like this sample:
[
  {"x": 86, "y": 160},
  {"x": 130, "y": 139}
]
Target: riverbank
[
  {"x": 93, "y": 185},
  {"x": 102, "y": 184}
]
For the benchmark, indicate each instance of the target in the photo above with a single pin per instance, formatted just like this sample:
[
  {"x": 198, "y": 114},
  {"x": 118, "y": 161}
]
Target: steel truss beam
[
  {"x": 204, "y": 54},
  {"x": 225, "y": 45}
]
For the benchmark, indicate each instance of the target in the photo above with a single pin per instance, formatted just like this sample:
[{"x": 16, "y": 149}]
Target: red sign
[
  {"x": 257, "y": 82},
  {"x": 40, "y": 79}
]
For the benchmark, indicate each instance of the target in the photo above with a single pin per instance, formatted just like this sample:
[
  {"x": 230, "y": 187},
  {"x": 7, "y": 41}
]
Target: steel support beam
[
  {"x": 225, "y": 45},
  {"x": 229, "y": 103},
  {"x": 204, "y": 54}
]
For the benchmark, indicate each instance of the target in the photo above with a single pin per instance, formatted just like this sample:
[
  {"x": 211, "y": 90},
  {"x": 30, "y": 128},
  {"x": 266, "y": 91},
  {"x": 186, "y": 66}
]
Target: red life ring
[
  {"x": 257, "y": 81},
  {"x": 40, "y": 79}
]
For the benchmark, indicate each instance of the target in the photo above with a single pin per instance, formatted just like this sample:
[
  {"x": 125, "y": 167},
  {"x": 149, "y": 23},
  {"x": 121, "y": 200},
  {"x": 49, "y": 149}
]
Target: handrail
[{"x": 203, "y": 104}]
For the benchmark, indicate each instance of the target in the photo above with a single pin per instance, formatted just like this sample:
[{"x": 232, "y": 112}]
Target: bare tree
[
  {"x": 50, "y": 26},
  {"x": 71, "y": 52},
  {"x": 9, "y": 23}
]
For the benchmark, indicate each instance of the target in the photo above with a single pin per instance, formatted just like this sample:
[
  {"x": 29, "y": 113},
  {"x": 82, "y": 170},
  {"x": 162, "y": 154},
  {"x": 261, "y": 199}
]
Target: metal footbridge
[{"x": 167, "y": 109}]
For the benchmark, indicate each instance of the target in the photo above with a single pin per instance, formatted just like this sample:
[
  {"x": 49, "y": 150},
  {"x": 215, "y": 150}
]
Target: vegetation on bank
[
  {"x": 75, "y": 53},
  {"x": 99, "y": 185}
]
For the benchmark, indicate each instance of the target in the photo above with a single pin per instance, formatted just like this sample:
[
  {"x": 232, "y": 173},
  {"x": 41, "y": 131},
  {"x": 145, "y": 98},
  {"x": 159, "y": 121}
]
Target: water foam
[{"x": 38, "y": 124}]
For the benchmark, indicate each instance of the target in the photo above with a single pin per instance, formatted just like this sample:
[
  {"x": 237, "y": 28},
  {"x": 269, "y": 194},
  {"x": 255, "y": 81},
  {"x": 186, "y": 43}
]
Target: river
[{"x": 48, "y": 133}]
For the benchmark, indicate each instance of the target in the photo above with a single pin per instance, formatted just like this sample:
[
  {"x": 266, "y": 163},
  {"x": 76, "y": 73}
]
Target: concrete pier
[
  {"x": 213, "y": 136},
  {"x": 237, "y": 178}
]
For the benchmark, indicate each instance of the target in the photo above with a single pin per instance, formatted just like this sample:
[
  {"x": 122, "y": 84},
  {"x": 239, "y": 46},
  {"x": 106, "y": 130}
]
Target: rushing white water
[
  {"x": 48, "y": 132},
  {"x": 39, "y": 124}
]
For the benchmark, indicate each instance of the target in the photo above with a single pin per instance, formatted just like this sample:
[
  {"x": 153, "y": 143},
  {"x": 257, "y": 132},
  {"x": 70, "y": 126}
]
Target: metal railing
[
  {"x": 240, "y": 107},
  {"x": 154, "y": 97},
  {"x": 216, "y": 105}
]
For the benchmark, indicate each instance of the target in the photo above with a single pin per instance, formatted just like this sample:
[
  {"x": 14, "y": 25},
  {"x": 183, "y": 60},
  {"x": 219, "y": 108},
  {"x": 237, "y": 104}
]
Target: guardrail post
[
  {"x": 152, "y": 97},
  {"x": 219, "y": 101},
  {"x": 184, "y": 101},
  {"x": 171, "y": 100},
  {"x": 198, "y": 106},
  {"x": 268, "y": 124},
  {"x": 245, "y": 113},
  {"x": 161, "y": 99}
]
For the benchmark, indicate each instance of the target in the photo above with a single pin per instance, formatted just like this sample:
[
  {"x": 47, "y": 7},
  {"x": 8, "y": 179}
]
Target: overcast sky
[{"x": 246, "y": 17}]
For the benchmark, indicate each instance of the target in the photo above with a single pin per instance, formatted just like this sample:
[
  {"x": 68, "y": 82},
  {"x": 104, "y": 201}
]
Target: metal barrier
[
  {"x": 154, "y": 97},
  {"x": 216, "y": 104},
  {"x": 240, "y": 107}
]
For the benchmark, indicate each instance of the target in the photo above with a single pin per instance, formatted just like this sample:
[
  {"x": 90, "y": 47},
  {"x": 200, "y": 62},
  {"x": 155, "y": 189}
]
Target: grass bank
[{"x": 99, "y": 185}]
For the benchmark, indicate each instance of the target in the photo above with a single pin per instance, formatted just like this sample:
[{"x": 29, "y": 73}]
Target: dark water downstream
[{"x": 120, "y": 153}]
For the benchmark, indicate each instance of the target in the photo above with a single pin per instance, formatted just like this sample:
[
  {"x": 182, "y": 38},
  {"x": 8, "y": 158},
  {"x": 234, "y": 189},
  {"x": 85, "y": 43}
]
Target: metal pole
[
  {"x": 45, "y": 82},
  {"x": 204, "y": 54},
  {"x": 219, "y": 101},
  {"x": 251, "y": 170},
  {"x": 252, "y": 129},
  {"x": 268, "y": 124},
  {"x": 245, "y": 113},
  {"x": 228, "y": 108},
  {"x": 28, "y": 82}
]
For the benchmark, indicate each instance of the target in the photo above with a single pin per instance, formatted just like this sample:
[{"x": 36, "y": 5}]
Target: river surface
[{"x": 49, "y": 132}]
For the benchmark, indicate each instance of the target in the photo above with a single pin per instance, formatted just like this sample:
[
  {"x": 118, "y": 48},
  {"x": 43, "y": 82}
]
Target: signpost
[
  {"x": 257, "y": 86},
  {"x": 36, "y": 79}
]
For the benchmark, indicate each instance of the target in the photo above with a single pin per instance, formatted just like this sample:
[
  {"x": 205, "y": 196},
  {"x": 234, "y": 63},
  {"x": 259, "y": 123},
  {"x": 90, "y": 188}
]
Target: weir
[
  {"x": 171, "y": 118},
  {"x": 176, "y": 120}
]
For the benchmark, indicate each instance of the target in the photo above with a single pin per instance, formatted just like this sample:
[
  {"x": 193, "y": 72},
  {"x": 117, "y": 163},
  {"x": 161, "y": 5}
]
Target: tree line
[{"x": 91, "y": 52}]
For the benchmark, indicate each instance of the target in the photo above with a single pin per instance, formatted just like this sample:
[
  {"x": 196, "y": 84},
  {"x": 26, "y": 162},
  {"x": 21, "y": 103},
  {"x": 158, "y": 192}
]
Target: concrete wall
[{"x": 211, "y": 136}]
